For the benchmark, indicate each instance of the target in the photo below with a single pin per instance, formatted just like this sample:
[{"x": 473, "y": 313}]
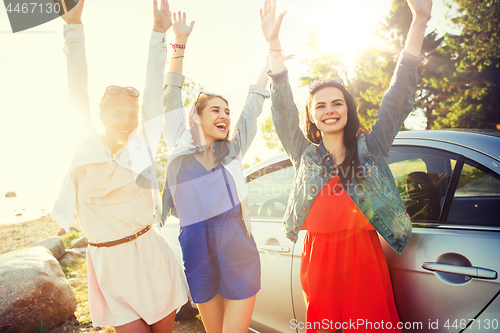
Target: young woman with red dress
[{"x": 344, "y": 193}]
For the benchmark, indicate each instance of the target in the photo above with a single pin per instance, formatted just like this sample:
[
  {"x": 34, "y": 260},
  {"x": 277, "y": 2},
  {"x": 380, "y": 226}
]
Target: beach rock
[
  {"x": 54, "y": 244},
  {"x": 10, "y": 195},
  {"x": 79, "y": 242},
  {"x": 81, "y": 250},
  {"x": 69, "y": 256},
  {"x": 72, "y": 228},
  {"x": 33, "y": 289},
  {"x": 61, "y": 232}
]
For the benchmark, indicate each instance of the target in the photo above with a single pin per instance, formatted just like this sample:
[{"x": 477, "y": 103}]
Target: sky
[{"x": 225, "y": 54}]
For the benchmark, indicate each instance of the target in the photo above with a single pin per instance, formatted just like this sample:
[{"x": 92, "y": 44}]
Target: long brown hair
[
  {"x": 221, "y": 148},
  {"x": 350, "y": 166}
]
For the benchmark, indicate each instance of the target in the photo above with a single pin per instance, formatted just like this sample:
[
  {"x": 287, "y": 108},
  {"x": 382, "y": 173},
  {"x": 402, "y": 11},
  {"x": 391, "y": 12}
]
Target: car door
[
  {"x": 268, "y": 192},
  {"x": 447, "y": 276}
]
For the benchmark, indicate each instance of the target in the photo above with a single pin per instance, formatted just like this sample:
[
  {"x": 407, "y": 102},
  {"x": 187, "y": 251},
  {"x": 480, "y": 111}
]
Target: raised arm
[
  {"x": 157, "y": 57},
  {"x": 271, "y": 29},
  {"x": 421, "y": 11},
  {"x": 263, "y": 78},
  {"x": 397, "y": 102},
  {"x": 175, "y": 122},
  {"x": 182, "y": 32},
  {"x": 74, "y": 48},
  {"x": 246, "y": 127},
  {"x": 284, "y": 111}
]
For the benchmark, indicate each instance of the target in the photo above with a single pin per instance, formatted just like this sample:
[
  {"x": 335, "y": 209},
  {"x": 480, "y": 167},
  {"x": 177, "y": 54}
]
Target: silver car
[{"x": 446, "y": 280}]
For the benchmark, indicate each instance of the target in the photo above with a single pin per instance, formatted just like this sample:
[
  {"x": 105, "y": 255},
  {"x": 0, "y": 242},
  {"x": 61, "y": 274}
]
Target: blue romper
[{"x": 218, "y": 256}]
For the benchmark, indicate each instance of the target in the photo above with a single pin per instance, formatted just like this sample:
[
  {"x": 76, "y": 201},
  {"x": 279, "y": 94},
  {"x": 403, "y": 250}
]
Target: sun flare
[{"x": 345, "y": 30}]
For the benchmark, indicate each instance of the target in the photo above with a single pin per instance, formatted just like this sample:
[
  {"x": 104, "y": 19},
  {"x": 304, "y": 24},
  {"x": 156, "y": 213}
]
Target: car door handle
[
  {"x": 275, "y": 248},
  {"x": 477, "y": 272}
]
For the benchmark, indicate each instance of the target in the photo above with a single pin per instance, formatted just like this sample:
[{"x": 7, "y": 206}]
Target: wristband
[
  {"x": 178, "y": 46},
  {"x": 276, "y": 53}
]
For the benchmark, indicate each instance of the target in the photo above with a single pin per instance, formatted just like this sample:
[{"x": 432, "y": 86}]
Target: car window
[
  {"x": 476, "y": 198},
  {"x": 268, "y": 190},
  {"x": 422, "y": 176}
]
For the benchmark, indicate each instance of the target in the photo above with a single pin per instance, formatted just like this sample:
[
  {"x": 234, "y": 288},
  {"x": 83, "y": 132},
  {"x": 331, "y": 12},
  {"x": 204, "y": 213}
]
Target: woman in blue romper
[{"x": 206, "y": 189}]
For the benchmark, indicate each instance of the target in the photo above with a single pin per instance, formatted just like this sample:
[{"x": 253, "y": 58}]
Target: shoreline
[
  {"x": 25, "y": 216},
  {"x": 19, "y": 235}
]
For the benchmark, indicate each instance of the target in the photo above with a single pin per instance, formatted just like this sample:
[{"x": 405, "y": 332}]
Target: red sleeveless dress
[{"x": 343, "y": 272}]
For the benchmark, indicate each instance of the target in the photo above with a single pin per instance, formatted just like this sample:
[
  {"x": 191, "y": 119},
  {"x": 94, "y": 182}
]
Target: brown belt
[{"x": 122, "y": 240}]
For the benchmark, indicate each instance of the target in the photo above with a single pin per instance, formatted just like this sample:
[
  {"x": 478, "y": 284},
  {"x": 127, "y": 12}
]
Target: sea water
[{"x": 23, "y": 207}]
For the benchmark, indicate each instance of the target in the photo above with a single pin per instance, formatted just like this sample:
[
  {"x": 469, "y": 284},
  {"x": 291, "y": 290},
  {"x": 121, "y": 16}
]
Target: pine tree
[{"x": 468, "y": 96}]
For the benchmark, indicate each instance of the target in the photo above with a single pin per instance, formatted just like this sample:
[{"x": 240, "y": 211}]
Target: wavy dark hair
[
  {"x": 352, "y": 130},
  {"x": 221, "y": 148}
]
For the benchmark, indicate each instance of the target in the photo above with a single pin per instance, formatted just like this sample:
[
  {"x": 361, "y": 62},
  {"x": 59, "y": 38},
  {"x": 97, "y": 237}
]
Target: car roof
[
  {"x": 484, "y": 141},
  {"x": 481, "y": 140},
  {"x": 270, "y": 161}
]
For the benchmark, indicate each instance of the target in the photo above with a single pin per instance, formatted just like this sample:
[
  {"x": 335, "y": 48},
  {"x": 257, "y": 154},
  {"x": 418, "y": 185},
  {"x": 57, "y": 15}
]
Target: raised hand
[
  {"x": 421, "y": 11},
  {"x": 163, "y": 19},
  {"x": 182, "y": 32},
  {"x": 181, "y": 29},
  {"x": 268, "y": 22},
  {"x": 420, "y": 8},
  {"x": 74, "y": 16}
]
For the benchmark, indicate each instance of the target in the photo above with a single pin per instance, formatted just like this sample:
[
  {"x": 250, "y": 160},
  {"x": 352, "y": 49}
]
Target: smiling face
[
  {"x": 215, "y": 120},
  {"x": 328, "y": 111},
  {"x": 120, "y": 116}
]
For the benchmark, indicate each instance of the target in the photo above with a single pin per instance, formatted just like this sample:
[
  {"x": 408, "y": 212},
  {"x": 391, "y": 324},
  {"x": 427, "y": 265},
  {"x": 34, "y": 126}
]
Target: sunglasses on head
[
  {"x": 117, "y": 90},
  {"x": 206, "y": 93},
  {"x": 316, "y": 84}
]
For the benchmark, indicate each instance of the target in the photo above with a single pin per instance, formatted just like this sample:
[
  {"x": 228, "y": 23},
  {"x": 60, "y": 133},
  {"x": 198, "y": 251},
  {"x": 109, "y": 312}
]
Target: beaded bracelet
[
  {"x": 178, "y": 46},
  {"x": 276, "y": 53}
]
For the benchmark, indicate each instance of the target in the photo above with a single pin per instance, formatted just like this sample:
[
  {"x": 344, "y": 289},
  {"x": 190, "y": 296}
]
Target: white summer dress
[
  {"x": 140, "y": 278},
  {"x": 132, "y": 280}
]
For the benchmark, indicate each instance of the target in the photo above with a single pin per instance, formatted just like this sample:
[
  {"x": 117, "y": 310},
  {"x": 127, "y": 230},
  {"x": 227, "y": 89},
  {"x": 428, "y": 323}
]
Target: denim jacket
[
  {"x": 178, "y": 138},
  {"x": 376, "y": 195}
]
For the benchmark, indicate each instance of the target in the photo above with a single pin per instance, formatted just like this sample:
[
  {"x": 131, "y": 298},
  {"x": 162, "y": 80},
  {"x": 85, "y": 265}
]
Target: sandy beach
[{"x": 20, "y": 235}]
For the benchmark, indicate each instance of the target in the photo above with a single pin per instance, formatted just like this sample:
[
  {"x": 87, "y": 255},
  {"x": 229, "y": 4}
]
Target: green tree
[
  {"x": 394, "y": 29},
  {"x": 373, "y": 68},
  {"x": 436, "y": 66},
  {"x": 374, "y": 65},
  {"x": 269, "y": 133},
  {"x": 467, "y": 96},
  {"x": 459, "y": 81}
]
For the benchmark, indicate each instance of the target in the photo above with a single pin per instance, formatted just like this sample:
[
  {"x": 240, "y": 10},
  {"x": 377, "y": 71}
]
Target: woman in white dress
[{"x": 134, "y": 281}]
